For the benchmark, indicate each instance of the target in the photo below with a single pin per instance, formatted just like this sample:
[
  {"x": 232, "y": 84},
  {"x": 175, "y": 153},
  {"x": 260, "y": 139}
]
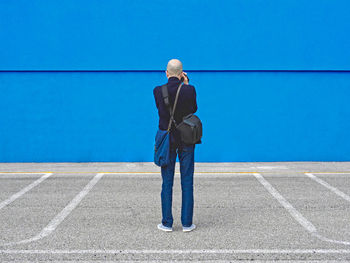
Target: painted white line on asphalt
[
  {"x": 205, "y": 175},
  {"x": 145, "y": 174},
  {"x": 295, "y": 213},
  {"x": 332, "y": 188},
  {"x": 157, "y": 173},
  {"x": 330, "y": 172},
  {"x": 54, "y": 223},
  {"x": 195, "y": 251},
  {"x": 292, "y": 211},
  {"x": 24, "y": 190},
  {"x": 323, "y": 238}
]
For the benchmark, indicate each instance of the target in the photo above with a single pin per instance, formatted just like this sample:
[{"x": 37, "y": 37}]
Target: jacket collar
[{"x": 173, "y": 80}]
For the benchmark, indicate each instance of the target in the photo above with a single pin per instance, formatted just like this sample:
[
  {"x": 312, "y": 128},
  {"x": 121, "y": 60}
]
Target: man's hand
[{"x": 186, "y": 79}]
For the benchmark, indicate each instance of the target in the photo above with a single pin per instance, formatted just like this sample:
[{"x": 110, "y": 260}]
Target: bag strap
[
  {"x": 166, "y": 101},
  {"x": 166, "y": 97}
]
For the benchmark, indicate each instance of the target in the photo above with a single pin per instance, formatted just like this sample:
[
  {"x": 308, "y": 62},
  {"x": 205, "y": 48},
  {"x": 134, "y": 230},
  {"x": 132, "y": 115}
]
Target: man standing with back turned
[{"x": 186, "y": 104}]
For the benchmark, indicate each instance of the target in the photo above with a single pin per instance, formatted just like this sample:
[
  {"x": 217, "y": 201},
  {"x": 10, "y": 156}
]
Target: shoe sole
[
  {"x": 188, "y": 230},
  {"x": 165, "y": 230}
]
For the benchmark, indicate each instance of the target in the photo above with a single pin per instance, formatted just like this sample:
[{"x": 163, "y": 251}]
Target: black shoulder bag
[{"x": 191, "y": 126}]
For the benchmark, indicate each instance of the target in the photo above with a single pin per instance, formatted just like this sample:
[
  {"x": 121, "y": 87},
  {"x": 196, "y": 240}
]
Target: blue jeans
[{"x": 186, "y": 158}]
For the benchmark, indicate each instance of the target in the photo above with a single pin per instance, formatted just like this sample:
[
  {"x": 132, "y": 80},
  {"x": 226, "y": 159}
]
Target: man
[{"x": 186, "y": 104}]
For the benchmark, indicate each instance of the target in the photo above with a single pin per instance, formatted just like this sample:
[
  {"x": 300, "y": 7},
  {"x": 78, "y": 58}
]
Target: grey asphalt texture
[{"x": 237, "y": 218}]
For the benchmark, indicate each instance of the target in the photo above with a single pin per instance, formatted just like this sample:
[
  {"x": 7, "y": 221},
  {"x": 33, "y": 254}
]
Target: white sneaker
[
  {"x": 188, "y": 228},
  {"x": 165, "y": 228}
]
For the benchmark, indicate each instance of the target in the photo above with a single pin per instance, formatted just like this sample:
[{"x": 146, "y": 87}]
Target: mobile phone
[{"x": 182, "y": 79}]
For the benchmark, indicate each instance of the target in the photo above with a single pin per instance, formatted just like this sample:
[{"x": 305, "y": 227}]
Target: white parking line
[
  {"x": 54, "y": 223},
  {"x": 57, "y": 220},
  {"x": 195, "y": 251},
  {"x": 205, "y": 175},
  {"x": 330, "y": 172},
  {"x": 295, "y": 213},
  {"x": 24, "y": 190},
  {"x": 332, "y": 188}
]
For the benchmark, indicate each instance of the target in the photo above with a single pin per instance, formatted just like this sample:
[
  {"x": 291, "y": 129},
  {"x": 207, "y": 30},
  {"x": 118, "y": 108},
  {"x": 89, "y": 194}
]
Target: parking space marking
[
  {"x": 327, "y": 185},
  {"x": 197, "y": 175},
  {"x": 24, "y": 190},
  {"x": 57, "y": 220},
  {"x": 329, "y": 172},
  {"x": 187, "y": 251},
  {"x": 72, "y": 172},
  {"x": 295, "y": 213},
  {"x": 292, "y": 211}
]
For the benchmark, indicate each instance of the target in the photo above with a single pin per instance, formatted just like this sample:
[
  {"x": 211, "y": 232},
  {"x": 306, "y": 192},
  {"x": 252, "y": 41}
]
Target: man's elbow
[{"x": 195, "y": 108}]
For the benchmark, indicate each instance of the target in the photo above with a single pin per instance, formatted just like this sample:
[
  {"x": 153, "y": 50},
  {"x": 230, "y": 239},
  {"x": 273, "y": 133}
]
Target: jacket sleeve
[
  {"x": 194, "y": 100},
  {"x": 155, "y": 97}
]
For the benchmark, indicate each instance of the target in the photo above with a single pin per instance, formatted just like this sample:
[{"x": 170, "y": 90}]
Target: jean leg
[
  {"x": 167, "y": 190},
  {"x": 186, "y": 156}
]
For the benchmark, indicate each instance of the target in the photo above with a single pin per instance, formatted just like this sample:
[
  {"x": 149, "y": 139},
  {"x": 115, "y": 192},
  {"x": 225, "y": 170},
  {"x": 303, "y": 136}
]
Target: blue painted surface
[
  {"x": 273, "y": 115},
  {"x": 139, "y": 34},
  {"x": 55, "y": 117}
]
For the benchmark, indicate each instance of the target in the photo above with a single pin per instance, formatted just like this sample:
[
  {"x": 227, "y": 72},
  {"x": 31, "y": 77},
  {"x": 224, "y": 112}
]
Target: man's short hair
[{"x": 174, "y": 67}]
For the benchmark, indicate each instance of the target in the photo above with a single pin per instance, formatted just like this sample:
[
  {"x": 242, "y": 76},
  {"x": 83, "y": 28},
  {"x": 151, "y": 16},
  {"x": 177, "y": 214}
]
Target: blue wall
[{"x": 76, "y": 78}]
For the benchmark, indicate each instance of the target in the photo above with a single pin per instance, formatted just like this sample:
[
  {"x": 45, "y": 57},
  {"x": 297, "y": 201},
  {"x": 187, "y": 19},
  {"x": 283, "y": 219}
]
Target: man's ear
[{"x": 167, "y": 74}]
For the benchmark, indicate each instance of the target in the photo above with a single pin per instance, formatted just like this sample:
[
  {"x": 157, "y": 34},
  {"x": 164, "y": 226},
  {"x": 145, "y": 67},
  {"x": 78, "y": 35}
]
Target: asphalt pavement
[{"x": 68, "y": 212}]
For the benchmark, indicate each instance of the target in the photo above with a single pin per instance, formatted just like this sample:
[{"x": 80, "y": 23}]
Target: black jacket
[{"x": 186, "y": 104}]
